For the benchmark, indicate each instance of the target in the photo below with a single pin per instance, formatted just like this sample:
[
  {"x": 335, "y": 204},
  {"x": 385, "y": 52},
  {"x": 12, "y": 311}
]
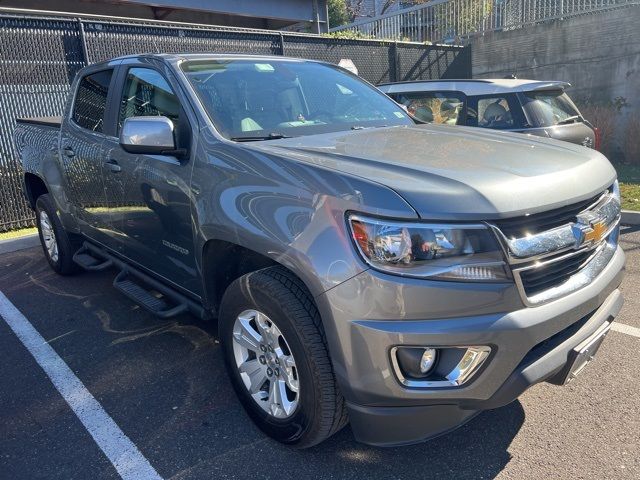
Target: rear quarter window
[
  {"x": 549, "y": 108},
  {"x": 91, "y": 101}
]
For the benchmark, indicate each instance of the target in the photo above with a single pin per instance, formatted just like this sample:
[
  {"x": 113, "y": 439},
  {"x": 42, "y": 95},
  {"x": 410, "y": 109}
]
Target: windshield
[
  {"x": 549, "y": 108},
  {"x": 268, "y": 99}
]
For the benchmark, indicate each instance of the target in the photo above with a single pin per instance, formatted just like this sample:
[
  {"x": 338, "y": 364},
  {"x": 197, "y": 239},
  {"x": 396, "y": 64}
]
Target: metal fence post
[
  {"x": 282, "y": 52},
  {"x": 394, "y": 63},
  {"x": 83, "y": 42}
]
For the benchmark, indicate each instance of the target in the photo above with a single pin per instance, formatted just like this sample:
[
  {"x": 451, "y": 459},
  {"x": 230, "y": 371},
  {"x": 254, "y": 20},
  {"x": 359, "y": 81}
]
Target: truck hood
[{"x": 450, "y": 172}]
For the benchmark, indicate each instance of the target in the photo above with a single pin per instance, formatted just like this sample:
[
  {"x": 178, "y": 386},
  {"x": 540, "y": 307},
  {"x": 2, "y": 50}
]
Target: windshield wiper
[
  {"x": 569, "y": 120},
  {"x": 360, "y": 127},
  {"x": 257, "y": 138}
]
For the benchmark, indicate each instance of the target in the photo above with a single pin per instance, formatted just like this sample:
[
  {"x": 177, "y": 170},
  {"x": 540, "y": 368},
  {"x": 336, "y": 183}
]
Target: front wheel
[
  {"x": 58, "y": 245},
  {"x": 277, "y": 358}
]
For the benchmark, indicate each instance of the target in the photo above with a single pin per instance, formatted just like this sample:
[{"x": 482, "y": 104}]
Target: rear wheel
[
  {"x": 277, "y": 358},
  {"x": 58, "y": 245}
]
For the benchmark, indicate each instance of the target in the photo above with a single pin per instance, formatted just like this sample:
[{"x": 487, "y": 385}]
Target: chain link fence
[
  {"x": 453, "y": 21},
  {"x": 40, "y": 55}
]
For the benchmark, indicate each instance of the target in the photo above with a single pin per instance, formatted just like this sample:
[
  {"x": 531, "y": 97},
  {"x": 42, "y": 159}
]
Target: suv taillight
[{"x": 598, "y": 135}]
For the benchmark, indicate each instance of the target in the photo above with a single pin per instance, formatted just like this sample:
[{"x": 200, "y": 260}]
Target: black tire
[
  {"x": 67, "y": 243},
  {"x": 321, "y": 409}
]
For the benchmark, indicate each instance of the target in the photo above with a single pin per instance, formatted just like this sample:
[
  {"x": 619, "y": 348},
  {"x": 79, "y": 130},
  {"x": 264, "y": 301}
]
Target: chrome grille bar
[
  {"x": 590, "y": 269},
  {"x": 571, "y": 254},
  {"x": 589, "y": 229}
]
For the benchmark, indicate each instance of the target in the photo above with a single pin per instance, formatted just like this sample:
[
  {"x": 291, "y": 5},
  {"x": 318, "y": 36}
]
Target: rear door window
[
  {"x": 91, "y": 101},
  {"x": 550, "y": 107},
  {"x": 501, "y": 112},
  {"x": 434, "y": 107}
]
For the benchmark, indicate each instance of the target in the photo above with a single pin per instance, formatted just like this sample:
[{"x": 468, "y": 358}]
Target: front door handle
[
  {"x": 68, "y": 152},
  {"x": 112, "y": 165}
]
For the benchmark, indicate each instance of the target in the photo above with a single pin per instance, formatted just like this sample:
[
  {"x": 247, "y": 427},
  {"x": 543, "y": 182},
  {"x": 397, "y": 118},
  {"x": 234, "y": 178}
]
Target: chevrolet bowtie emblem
[
  {"x": 589, "y": 229},
  {"x": 596, "y": 233}
]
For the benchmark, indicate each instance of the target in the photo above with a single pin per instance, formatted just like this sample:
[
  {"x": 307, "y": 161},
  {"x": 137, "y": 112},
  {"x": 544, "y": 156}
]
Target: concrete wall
[{"x": 599, "y": 54}]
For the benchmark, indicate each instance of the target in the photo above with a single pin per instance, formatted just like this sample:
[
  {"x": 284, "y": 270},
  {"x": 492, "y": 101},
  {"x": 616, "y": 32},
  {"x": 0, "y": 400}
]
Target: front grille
[
  {"x": 549, "y": 275},
  {"x": 538, "y": 222}
]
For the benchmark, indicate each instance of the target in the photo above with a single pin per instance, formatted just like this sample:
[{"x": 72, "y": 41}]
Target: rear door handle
[
  {"x": 68, "y": 152},
  {"x": 112, "y": 165}
]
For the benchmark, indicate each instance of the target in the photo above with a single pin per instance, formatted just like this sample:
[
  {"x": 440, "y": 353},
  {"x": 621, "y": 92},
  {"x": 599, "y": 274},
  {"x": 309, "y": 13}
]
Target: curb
[
  {"x": 20, "y": 243},
  {"x": 630, "y": 217}
]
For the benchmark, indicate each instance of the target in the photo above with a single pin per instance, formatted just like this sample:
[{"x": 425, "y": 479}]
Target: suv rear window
[
  {"x": 91, "y": 101},
  {"x": 549, "y": 108}
]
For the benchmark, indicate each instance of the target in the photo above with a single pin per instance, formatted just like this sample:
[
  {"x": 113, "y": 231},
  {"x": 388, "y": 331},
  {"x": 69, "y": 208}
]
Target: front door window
[{"x": 147, "y": 93}]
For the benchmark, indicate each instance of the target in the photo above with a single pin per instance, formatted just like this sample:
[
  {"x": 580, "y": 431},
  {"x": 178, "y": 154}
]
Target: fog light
[
  {"x": 428, "y": 360},
  {"x": 416, "y": 362},
  {"x": 437, "y": 367}
]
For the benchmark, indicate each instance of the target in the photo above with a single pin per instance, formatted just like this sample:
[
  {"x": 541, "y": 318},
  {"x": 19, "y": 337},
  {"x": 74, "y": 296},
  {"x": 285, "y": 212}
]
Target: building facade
[{"x": 308, "y": 15}]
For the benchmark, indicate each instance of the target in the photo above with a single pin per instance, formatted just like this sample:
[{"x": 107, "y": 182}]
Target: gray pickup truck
[{"x": 361, "y": 267}]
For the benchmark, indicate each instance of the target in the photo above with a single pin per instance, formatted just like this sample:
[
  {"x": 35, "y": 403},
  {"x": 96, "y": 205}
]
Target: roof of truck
[
  {"x": 474, "y": 86},
  {"x": 176, "y": 57},
  {"x": 190, "y": 56}
]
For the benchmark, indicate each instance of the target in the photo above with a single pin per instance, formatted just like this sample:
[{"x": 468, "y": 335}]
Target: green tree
[{"x": 337, "y": 13}]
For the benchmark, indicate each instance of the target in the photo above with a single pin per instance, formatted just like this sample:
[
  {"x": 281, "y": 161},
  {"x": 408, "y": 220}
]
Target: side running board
[
  {"x": 164, "y": 304},
  {"x": 89, "y": 262},
  {"x": 156, "y": 297}
]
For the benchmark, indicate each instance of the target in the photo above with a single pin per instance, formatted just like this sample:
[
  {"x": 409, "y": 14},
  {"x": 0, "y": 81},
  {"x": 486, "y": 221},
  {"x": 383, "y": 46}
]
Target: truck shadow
[{"x": 478, "y": 449}]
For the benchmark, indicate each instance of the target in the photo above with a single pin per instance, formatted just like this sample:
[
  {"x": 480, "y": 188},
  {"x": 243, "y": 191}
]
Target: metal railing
[{"x": 452, "y": 21}]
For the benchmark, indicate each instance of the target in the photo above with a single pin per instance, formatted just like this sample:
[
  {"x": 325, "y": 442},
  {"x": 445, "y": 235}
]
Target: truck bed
[
  {"x": 36, "y": 141},
  {"x": 46, "y": 121}
]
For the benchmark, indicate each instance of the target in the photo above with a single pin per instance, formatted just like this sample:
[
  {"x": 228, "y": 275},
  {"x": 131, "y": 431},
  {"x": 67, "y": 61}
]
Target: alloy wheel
[
  {"x": 266, "y": 364},
  {"x": 48, "y": 236}
]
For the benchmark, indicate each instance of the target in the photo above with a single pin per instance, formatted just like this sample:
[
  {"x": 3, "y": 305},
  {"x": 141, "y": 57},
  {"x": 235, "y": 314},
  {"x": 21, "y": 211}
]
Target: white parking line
[
  {"x": 121, "y": 452},
  {"x": 628, "y": 329}
]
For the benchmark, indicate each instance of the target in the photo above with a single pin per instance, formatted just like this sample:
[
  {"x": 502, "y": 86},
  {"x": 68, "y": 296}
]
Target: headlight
[
  {"x": 615, "y": 190},
  {"x": 435, "y": 251}
]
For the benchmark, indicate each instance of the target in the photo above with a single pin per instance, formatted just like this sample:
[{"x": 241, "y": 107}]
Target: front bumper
[{"x": 529, "y": 345}]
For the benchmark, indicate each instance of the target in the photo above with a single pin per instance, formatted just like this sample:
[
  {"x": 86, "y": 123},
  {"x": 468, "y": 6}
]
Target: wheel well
[
  {"x": 223, "y": 262},
  {"x": 34, "y": 187}
]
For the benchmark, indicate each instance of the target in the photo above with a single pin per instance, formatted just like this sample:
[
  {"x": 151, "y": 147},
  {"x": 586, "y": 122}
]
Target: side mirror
[{"x": 148, "y": 135}]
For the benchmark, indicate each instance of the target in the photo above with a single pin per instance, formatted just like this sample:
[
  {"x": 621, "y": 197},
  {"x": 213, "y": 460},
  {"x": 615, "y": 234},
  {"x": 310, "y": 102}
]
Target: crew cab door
[
  {"x": 82, "y": 151},
  {"x": 149, "y": 196}
]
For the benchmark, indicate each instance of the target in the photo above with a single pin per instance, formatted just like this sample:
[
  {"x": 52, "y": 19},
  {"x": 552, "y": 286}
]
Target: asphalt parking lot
[{"x": 163, "y": 384}]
